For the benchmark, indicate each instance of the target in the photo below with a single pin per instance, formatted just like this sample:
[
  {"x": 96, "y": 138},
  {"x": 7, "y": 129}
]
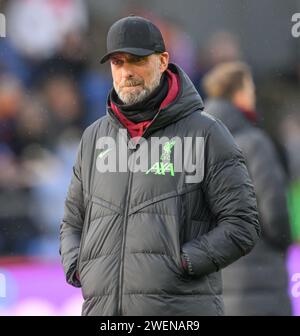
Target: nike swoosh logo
[{"x": 103, "y": 153}]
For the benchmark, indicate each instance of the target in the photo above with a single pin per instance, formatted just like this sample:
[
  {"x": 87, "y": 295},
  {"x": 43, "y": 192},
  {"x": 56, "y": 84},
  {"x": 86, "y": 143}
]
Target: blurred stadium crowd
[{"x": 52, "y": 87}]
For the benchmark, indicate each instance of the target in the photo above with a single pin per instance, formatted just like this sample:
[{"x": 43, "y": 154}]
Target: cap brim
[{"x": 133, "y": 51}]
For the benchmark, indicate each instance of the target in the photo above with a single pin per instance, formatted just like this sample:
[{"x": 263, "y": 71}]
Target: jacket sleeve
[
  {"x": 72, "y": 223},
  {"x": 230, "y": 196},
  {"x": 270, "y": 187}
]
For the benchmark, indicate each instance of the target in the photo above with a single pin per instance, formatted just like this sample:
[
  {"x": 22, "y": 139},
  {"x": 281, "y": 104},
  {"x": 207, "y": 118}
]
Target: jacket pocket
[
  {"x": 178, "y": 270},
  {"x": 84, "y": 233},
  {"x": 194, "y": 231},
  {"x": 199, "y": 228}
]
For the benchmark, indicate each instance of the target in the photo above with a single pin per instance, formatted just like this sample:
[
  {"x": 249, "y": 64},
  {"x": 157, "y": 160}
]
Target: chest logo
[{"x": 164, "y": 165}]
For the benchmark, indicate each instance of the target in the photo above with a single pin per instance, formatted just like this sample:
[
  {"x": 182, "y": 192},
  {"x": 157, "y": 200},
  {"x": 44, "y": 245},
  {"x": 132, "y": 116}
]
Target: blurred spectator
[
  {"x": 58, "y": 125},
  {"x": 15, "y": 220},
  {"x": 38, "y": 28},
  {"x": 70, "y": 60},
  {"x": 40, "y": 127},
  {"x": 52, "y": 173},
  {"x": 38, "y": 139},
  {"x": 222, "y": 46},
  {"x": 258, "y": 283},
  {"x": 12, "y": 96},
  {"x": 61, "y": 98},
  {"x": 290, "y": 129},
  {"x": 12, "y": 62},
  {"x": 291, "y": 132},
  {"x": 32, "y": 126}
]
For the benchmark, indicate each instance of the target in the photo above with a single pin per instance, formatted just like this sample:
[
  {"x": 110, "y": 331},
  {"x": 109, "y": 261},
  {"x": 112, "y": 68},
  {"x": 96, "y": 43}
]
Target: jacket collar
[{"x": 181, "y": 100}]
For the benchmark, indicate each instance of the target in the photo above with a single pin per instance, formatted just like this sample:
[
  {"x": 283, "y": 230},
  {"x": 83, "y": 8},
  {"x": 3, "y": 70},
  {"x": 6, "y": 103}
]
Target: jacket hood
[
  {"x": 187, "y": 101},
  {"x": 227, "y": 113}
]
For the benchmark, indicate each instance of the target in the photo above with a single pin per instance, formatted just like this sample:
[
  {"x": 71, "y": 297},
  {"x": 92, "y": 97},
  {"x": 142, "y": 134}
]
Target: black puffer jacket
[
  {"x": 258, "y": 284},
  {"x": 125, "y": 232}
]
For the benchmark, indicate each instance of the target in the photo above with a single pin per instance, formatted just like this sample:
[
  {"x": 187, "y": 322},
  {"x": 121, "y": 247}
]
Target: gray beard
[
  {"x": 133, "y": 98},
  {"x": 130, "y": 99}
]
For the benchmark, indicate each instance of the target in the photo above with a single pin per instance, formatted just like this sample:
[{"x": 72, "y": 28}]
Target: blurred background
[{"x": 52, "y": 87}]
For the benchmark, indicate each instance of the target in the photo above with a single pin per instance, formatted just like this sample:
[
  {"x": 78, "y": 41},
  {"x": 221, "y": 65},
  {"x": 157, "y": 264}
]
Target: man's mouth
[{"x": 131, "y": 86}]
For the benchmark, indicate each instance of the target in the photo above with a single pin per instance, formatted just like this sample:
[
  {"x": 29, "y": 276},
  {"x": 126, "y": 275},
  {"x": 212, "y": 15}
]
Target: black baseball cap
[{"x": 134, "y": 35}]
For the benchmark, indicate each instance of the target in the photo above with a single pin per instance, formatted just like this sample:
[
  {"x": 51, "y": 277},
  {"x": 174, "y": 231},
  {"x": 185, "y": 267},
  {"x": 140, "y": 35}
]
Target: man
[
  {"x": 152, "y": 241},
  {"x": 258, "y": 283}
]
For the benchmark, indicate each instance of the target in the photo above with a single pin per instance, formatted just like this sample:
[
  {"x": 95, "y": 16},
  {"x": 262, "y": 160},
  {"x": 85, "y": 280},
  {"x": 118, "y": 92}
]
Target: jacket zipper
[
  {"x": 121, "y": 274},
  {"x": 121, "y": 271}
]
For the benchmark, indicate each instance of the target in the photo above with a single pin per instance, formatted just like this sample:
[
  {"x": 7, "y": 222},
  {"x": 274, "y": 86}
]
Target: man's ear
[
  {"x": 164, "y": 61},
  {"x": 238, "y": 98}
]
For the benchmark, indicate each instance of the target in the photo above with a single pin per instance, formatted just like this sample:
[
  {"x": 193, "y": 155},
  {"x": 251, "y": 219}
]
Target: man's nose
[{"x": 127, "y": 71}]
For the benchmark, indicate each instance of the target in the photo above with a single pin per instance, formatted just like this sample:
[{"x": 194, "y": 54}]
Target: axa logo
[
  {"x": 164, "y": 165},
  {"x": 2, "y": 25}
]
